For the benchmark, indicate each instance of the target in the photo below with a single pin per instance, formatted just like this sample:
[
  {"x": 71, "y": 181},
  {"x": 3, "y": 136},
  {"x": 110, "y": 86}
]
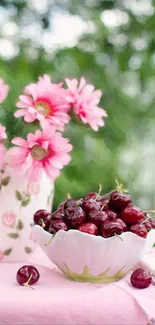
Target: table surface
[{"x": 57, "y": 300}]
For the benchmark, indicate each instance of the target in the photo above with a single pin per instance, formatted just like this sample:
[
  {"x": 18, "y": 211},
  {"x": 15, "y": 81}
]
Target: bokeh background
[{"x": 112, "y": 44}]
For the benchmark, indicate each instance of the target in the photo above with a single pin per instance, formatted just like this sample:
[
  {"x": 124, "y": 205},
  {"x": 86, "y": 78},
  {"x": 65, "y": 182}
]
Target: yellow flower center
[
  {"x": 43, "y": 108},
  {"x": 38, "y": 153}
]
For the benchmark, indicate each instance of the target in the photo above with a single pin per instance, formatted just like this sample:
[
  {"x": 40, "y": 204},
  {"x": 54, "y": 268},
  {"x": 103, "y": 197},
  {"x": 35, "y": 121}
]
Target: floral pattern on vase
[{"x": 18, "y": 202}]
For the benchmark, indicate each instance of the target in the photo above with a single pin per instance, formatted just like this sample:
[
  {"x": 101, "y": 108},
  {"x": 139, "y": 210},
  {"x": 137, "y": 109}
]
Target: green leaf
[
  {"x": 19, "y": 196},
  {"x": 28, "y": 250},
  {"x": 5, "y": 181},
  {"x": 26, "y": 201},
  {"x": 13, "y": 235},
  {"x": 7, "y": 251},
  {"x": 20, "y": 225}
]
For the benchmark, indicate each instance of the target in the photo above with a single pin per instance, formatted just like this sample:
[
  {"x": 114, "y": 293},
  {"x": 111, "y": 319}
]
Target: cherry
[
  {"x": 97, "y": 217},
  {"x": 27, "y": 275},
  {"x": 139, "y": 230},
  {"x": 111, "y": 214},
  {"x": 89, "y": 205},
  {"x": 132, "y": 215},
  {"x": 42, "y": 218},
  {"x": 91, "y": 195},
  {"x": 122, "y": 223},
  {"x": 103, "y": 202},
  {"x": 152, "y": 222},
  {"x": 89, "y": 228},
  {"x": 75, "y": 216},
  {"x": 71, "y": 203},
  {"x": 57, "y": 225},
  {"x": 110, "y": 228},
  {"x": 147, "y": 224},
  {"x": 61, "y": 205},
  {"x": 140, "y": 278},
  {"x": 118, "y": 201},
  {"x": 58, "y": 214}
]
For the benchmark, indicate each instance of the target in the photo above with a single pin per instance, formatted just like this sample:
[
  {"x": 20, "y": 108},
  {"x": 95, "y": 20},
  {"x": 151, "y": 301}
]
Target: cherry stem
[
  {"x": 118, "y": 236},
  {"x": 99, "y": 192},
  {"x": 48, "y": 243},
  {"x": 68, "y": 196},
  {"x": 107, "y": 194},
  {"x": 153, "y": 211},
  {"x": 79, "y": 201},
  {"x": 153, "y": 282},
  {"x": 103, "y": 207},
  {"x": 149, "y": 217},
  {"x": 42, "y": 223},
  {"x": 27, "y": 283},
  {"x": 119, "y": 187}
]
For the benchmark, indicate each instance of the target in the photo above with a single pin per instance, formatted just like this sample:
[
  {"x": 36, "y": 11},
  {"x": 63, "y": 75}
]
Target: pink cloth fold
[{"x": 57, "y": 300}]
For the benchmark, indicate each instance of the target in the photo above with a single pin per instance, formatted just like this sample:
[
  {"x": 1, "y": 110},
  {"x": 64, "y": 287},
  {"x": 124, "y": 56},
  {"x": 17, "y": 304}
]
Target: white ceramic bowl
[{"x": 88, "y": 258}]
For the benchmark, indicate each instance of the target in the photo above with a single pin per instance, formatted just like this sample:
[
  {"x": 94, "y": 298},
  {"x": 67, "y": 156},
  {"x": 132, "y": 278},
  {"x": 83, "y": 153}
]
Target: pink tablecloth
[{"x": 57, "y": 300}]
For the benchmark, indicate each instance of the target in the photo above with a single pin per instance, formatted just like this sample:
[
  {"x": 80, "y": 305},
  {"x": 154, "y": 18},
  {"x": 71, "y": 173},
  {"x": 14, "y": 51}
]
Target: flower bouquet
[{"x": 29, "y": 166}]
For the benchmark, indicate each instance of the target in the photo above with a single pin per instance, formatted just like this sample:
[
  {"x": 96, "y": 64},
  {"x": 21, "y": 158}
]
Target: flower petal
[{"x": 20, "y": 142}]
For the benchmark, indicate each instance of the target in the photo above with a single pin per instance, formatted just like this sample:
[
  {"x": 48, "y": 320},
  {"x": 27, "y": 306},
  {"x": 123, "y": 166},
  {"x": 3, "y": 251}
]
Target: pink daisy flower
[
  {"x": 84, "y": 100},
  {"x": 44, "y": 101},
  {"x": 4, "y": 89},
  {"x": 2, "y": 132},
  {"x": 43, "y": 151}
]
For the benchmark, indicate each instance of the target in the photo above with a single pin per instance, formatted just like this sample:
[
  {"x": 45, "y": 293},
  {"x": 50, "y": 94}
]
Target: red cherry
[
  {"x": 27, "y": 275},
  {"x": 103, "y": 202},
  {"x": 57, "y": 225},
  {"x": 132, "y": 215},
  {"x": 111, "y": 214},
  {"x": 58, "y": 214},
  {"x": 152, "y": 222},
  {"x": 118, "y": 201},
  {"x": 97, "y": 217},
  {"x": 71, "y": 203},
  {"x": 139, "y": 230},
  {"x": 140, "y": 278},
  {"x": 89, "y": 205},
  {"x": 110, "y": 228},
  {"x": 75, "y": 216},
  {"x": 42, "y": 218},
  {"x": 123, "y": 224},
  {"x": 61, "y": 205},
  {"x": 147, "y": 224},
  {"x": 89, "y": 228},
  {"x": 91, "y": 195}
]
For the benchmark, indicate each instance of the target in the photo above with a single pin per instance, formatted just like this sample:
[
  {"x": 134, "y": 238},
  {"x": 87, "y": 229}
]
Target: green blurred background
[{"x": 112, "y": 44}]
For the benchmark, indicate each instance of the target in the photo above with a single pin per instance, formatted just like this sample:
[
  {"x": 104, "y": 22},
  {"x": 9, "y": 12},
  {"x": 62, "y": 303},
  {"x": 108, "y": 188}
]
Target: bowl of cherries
[{"x": 95, "y": 239}]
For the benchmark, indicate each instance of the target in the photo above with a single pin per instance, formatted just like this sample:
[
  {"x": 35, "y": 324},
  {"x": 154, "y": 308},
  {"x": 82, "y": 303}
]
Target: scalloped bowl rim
[{"x": 95, "y": 238}]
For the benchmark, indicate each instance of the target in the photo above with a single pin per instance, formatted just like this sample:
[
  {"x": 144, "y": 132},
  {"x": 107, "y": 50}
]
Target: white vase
[{"x": 18, "y": 203}]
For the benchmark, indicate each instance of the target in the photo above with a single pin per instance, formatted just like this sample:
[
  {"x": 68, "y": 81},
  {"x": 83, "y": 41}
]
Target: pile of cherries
[{"x": 105, "y": 216}]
